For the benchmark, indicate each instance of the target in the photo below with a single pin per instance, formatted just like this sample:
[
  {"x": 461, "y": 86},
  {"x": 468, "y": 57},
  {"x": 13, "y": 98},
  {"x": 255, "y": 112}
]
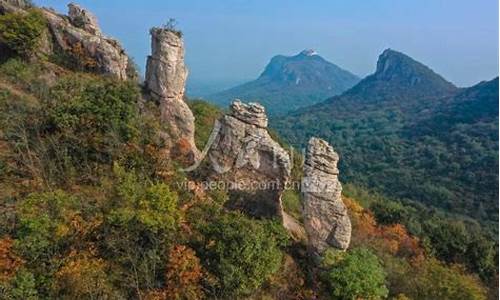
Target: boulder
[
  {"x": 253, "y": 166},
  {"x": 325, "y": 216}
]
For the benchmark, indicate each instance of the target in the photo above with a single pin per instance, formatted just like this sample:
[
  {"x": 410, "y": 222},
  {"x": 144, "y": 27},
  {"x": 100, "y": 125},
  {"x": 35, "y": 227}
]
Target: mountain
[
  {"x": 94, "y": 205},
  {"x": 291, "y": 82},
  {"x": 407, "y": 133}
]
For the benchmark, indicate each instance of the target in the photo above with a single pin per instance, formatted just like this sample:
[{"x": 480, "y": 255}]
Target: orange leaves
[
  {"x": 393, "y": 239},
  {"x": 9, "y": 262},
  {"x": 183, "y": 274},
  {"x": 84, "y": 276}
]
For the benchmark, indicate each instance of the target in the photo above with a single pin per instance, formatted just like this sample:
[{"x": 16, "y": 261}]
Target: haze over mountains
[
  {"x": 291, "y": 82},
  {"x": 408, "y": 133}
]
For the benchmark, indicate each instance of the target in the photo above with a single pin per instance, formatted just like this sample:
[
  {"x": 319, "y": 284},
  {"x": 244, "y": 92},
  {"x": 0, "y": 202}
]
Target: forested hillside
[
  {"x": 407, "y": 133},
  {"x": 93, "y": 207}
]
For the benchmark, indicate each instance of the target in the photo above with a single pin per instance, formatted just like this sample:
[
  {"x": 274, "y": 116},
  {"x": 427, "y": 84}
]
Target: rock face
[
  {"x": 166, "y": 76},
  {"x": 244, "y": 156},
  {"x": 9, "y": 6},
  {"x": 83, "y": 19},
  {"x": 79, "y": 35},
  {"x": 325, "y": 215}
]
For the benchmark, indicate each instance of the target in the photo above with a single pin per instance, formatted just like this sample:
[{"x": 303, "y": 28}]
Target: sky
[{"x": 230, "y": 41}]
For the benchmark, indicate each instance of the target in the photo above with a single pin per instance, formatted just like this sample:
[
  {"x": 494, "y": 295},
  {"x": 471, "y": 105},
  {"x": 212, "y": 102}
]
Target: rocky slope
[{"x": 291, "y": 82}]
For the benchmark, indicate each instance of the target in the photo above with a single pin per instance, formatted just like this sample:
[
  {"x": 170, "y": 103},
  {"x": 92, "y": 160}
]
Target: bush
[
  {"x": 434, "y": 280},
  {"x": 358, "y": 275},
  {"x": 21, "y": 33},
  {"x": 242, "y": 253},
  {"x": 292, "y": 204},
  {"x": 85, "y": 123},
  {"x": 205, "y": 115},
  {"x": 139, "y": 227},
  {"x": 388, "y": 212}
]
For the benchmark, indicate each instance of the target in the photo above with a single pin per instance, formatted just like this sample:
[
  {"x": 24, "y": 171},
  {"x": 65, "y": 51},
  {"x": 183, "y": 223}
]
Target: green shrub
[
  {"x": 24, "y": 75},
  {"x": 358, "y": 275},
  {"x": 22, "y": 286},
  {"x": 292, "y": 204},
  {"x": 435, "y": 280},
  {"x": 241, "y": 253},
  {"x": 139, "y": 226},
  {"x": 205, "y": 115},
  {"x": 86, "y": 122},
  {"x": 21, "y": 33}
]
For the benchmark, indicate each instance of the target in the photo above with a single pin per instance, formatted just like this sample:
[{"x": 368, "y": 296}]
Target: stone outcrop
[
  {"x": 244, "y": 156},
  {"x": 83, "y": 19},
  {"x": 78, "y": 36},
  {"x": 9, "y": 6},
  {"x": 166, "y": 76},
  {"x": 325, "y": 215}
]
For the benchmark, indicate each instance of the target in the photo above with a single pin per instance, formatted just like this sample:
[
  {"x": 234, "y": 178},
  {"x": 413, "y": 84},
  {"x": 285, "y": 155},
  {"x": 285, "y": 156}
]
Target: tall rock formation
[
  {"x": 325, "y": 215},
  {"x": 245, "y": 157},
  {"x": 166, "y": 76}
]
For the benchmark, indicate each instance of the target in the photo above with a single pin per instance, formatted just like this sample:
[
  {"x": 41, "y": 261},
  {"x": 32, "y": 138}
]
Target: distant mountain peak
[
  {"x": 394, "y": 65},
  {"x": 399, "y": 70},
  {"x": 308, "y": 52},
  {"x": 291, "y": 82}
]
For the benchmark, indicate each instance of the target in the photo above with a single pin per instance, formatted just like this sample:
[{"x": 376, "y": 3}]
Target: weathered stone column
[
  {"x": 325, "y": 215},
  {"x": 166, "y": 76},
  {"x": 254, "y": 166}
]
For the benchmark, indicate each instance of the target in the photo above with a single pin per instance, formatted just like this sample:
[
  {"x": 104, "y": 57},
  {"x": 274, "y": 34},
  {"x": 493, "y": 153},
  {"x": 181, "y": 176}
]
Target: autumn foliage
[
  {"x": 9, "y": 262},
  {"x": 393, "y": 239},
  {"x": 183, "y": 274}
]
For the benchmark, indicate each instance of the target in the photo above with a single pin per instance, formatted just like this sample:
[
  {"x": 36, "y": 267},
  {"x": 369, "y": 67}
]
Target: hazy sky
[{"x": 234, "y": 39}]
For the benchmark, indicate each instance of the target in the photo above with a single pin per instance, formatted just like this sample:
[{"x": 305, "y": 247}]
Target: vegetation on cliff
[{"x": 91, "y": 208}]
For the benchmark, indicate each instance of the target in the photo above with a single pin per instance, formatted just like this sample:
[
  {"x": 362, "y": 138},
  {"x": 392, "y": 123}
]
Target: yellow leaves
[
  {"x": 83, "y": 276},
  {"x": 61, "y": 230}
]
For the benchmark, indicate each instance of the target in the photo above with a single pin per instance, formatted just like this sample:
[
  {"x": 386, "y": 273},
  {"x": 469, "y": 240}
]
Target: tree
[
  {"x": 242, "y": 253},
  {"x": 139, "y": 228},
  {"x": 84, "y": 276},
  {"x": 358, "y": 274},
  {"x": 434, "y": 280},
  {"x": 183, "y": 275}
]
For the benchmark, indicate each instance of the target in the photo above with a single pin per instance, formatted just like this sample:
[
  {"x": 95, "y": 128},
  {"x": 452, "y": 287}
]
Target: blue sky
[{"x": 233, "y": 40}]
